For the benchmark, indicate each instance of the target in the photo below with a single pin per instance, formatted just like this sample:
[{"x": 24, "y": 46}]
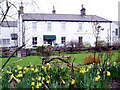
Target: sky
[{"x": 107, "y": 9}]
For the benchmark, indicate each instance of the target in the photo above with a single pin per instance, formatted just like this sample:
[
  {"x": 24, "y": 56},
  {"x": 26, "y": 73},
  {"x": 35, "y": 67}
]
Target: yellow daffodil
[
  {"x": 9, "y": 72},
  {"x": 48, "y": 76},
  {"x": 44, "y": 68},
  {"x": 72, "y": 81},
  {"x": 43, "y": 78},
  {"x": 63, "y": 81},
  {"x": 18, "y": 80},
  {"x": 97, "y": 78},
  {"x": 31, "y": 65},
  {"x": 26, "y": 69},
  {"x": 33, "y": 79},
  {"x": 19, "y": 75},
  {"x": 32, "y": 88},
  {"x": 19, "y": 68},
  {"x": 48, "y": 65},
  {"x": 20, "y": 72},
  {"x": 33, "y": 83},
  {"x": 98, "y": 72},
  {"x": 37, "y": 85},
  {"x": 15, "y": 70},
  {"x": 38, "y": 78},
  {"x": 108, "y": 73},
  {"x": 36, "y": 70},
  {"x": 48, "y": 81},
  {"x": 32, "y": 69},
  {"x": 82, "y": 70},
  {"x": 40, "y": 84}
]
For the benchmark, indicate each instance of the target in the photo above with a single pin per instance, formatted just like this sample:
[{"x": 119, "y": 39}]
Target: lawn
[{"x": 36, "y": 60}]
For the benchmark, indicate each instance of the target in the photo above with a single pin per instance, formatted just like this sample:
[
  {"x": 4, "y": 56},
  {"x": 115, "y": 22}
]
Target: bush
[{"x": 91, "y": 59}]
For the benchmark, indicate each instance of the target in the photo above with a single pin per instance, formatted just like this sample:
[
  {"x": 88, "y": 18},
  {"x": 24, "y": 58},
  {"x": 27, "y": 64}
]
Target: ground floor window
[
  {"x": 4, "y": 41},
  {"x": 63, "y": 40},
  {"x": 34, "y": 40},
  {"x": 80, "y": 39}
]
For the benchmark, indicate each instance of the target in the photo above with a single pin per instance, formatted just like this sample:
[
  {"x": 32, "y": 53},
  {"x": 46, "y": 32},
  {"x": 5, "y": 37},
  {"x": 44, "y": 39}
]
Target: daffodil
[
  {"x": 19, "y": 68},
  {"x": 38, "y": 78},
  {"x": 43, "y": 78},
  {"x": 98, "y": 72},
  {"x": 48, "y": 81},
  {"x": 32, "y": 88},
  {"x": 82, "y": 70},
  {"x": 19, "y": 75},
  {"x": 48, "y": 65},
  {"x": 97, "y": 78},
  {"x": 33, "y": 83},
  {"x": 32, "y": 69},
  {"x": 20, "y": 72},
  {"x": 108, "y": 73},
  {"x": 33, "y": 79},
  {"x": 26, "y": 69},
  {"x": 44, "y": 68},
  {"x": 37, "y": 85},
  {"x": 15, "y": 70},
  {"x": 9, "y": 72},
  {"x": 72, "y": 81},
  {"x": 18, "y": 80},
  {"x": 63, "y": 81},
  {"x": 40, "y": 84},
  {"x": 36, "y": 70}
]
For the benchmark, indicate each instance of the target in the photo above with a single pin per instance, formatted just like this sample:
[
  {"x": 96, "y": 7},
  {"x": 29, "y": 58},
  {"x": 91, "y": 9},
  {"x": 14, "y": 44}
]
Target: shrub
[{"x": 91, "y": 59}]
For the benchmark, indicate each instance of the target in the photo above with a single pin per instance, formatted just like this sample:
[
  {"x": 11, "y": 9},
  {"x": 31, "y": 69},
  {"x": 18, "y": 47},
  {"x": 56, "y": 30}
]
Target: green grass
[{"x": 36, "y": 60}]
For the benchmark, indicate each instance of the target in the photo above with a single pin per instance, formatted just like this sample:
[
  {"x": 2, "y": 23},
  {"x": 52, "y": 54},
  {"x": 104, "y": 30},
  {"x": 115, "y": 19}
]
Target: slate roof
[
  {"x": 9, "y": 24},
  {"x": 62, "y": 17}
]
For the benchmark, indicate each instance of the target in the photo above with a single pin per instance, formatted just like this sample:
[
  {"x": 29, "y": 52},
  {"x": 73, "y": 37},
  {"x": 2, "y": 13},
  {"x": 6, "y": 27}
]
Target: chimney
[
  {"x": 53, "y": 11},
  {"x": 83, "y": 11},
  {"x": 21, "y": 9}
]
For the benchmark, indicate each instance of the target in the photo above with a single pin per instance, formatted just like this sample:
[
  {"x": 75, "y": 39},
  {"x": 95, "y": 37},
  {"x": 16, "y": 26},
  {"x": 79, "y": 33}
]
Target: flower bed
[{"x": 61, "y": 76}]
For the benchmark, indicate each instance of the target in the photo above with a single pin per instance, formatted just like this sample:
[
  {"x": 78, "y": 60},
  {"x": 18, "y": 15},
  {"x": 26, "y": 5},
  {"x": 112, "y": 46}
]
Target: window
[
  {"x": 63, "y": 26},
  {"x": 79, "y": 27},
  {"x": 34, "y": 40},
  {"x": 34, "y": 25},
  {"x": 63, "y": 40},
  {"x": 14, "y": 36},
  {"x": 80, "y": 39},
  {"x": 49, "y": 26},
  {"x": 5, "y": 41}
]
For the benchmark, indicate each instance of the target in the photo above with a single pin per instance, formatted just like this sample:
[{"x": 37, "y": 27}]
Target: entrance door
[{"x": 49, "y": 42}]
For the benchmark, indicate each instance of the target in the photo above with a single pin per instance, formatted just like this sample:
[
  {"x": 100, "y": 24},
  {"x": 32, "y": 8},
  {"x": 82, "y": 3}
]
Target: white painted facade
[
  {"x": 71, "y": 30},
  {"x": 5, "y": 36}
]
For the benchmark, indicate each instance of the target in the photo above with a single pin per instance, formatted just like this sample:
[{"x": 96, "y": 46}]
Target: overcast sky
[{"x": 105, "y": 8}]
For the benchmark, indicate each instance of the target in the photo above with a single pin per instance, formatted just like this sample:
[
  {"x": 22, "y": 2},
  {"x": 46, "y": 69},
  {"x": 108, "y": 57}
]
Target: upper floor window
[
  {"x": 63, "y": 26},
  {"x": 34, "y": 25},
  {"x": 79, "y": 27},
  {"x": 63, "y": 40},
  {"x": 34, "y": 40},
  {"x": 49, "y": 26}
]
